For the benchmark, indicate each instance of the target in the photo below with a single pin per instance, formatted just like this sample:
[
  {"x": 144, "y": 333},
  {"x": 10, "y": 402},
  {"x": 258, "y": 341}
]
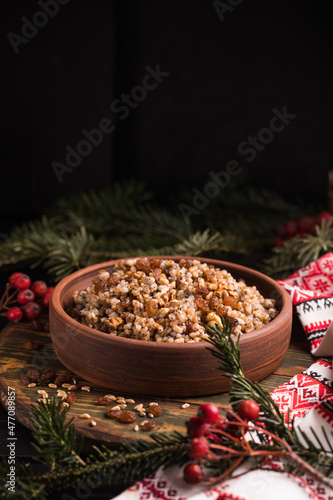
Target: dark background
[{"x": 225, "y": 78}]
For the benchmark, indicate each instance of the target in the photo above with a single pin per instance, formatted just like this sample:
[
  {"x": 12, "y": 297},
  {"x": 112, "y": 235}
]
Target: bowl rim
[{"x": 57, "y": 308}]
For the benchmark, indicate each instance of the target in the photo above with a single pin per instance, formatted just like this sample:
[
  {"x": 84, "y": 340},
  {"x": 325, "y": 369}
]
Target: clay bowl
[{"x": 161, "y": 369}]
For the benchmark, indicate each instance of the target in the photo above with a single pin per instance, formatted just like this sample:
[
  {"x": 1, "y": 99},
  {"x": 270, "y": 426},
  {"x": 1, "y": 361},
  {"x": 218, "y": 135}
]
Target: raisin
[
  {"x": 148, "y": 426},
  {"x": 113, "y": 280},
  {"x": 33, "y": 375},
  {"x": 125, "y": 303},
  {"x": 201, "y": 290},
  {"x": 71, "y": 398},
  {"x": 184, "y": 263},
  {"x": 62, "y": 379},
  {"x": 230, "y": 301},
  {"x": 113, "y": 413},
  {"x": 103, "y": 401},
  {"x": 24, "y": 379},
  {"x": 127, "y": 416},
  {"x": 100, "y": 286},
  {"x": 157, "y": 273},
  {"x": 129, "y": 278},
  {"x": 143, "y": 265},
  {"x": 156, "y": 263},
  {"x": 201, "y": 304},
  {"x": 188, "y": 327},
  {"x": 30, "y": 345},
  {"x": 213, "y": 302},
  {"x": 155, "y": 410},
  {"x": 47, "y": 377},
  {"x": 152, "y": 307}
]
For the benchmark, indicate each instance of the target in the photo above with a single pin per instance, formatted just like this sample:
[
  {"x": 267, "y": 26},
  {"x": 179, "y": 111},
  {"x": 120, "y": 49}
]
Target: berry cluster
[
  {"x": 306, "y": 225},
  {"x": 31, "y": 299},
  {"x": 208, "y": 428}
]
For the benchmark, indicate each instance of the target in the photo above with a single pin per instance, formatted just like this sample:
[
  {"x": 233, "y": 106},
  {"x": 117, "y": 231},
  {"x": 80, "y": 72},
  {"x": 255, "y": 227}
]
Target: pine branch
[
  {"x": 60, "y": 455},
  {"x": 200, "y": 243},
  {"x": 227, "y": 351},
  {"x": 298, "y": 252}
]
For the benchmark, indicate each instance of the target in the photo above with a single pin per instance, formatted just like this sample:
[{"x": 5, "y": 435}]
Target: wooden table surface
[{"x": 13, "y": 358}]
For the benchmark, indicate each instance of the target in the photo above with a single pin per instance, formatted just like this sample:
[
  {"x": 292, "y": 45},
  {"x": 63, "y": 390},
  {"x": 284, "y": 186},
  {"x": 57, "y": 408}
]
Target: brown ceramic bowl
[{"x": 162, "y": 369}]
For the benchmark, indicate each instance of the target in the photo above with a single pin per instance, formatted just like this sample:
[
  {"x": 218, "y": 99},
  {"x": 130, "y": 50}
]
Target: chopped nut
[
  {"x": 150, "y": 415},
  {"x": 65, "y": 404},
  {"x": 41, "y": 391},
  {"x": 84, "y": 415},
  {"x": 86, "y": 388},
  {"x": 153, "y": 404},
  {"x": 110, "y": 396},
  {"x": 74, "y": 380},
  {"x": 61, "y": 394},
  {"x": 33, "y": 384},
  {"x": 185, "y": 405},
  {"x": 65, "y": 385},
  {"x": 142, "y": 413},
  {"x": 139, "y": 407},
  {"x": 136, "y": 428},
  {"x": 72, "y": 388},
  {"x": 130, "y": 401},
  {"x": 93, "y": 423},
  {"x": 123, "y": 406},
  {"x": 53, "y": 386}
]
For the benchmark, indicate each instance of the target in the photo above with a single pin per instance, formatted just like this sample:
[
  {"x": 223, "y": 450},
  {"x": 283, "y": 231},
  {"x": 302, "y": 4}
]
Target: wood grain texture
[
  {"x": 14, "y": 359},
  {"x": 162, "y": 369}
]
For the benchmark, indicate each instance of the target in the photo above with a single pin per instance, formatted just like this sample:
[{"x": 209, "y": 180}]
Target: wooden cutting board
[{"x": 14, "y": 358}]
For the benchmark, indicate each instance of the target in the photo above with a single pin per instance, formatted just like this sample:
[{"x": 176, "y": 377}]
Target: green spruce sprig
[
  {"x": 299, "y": 251},
  {"x": 227, "y": 351},
  {"x": 59, "y": 455}
]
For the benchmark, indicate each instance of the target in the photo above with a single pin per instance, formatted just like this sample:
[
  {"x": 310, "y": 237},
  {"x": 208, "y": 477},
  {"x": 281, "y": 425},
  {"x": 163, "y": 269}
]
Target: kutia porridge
[{"x": 165, "y": 301}]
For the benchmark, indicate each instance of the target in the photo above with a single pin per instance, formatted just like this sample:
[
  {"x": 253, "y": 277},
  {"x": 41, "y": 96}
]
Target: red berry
[
  {"x": 306, "y": 224},
  {"x": 32, "y": 310},
  {"x": 14, "y": 314},
  {"x": 323, "y": 216},
  {"x": 13, "y": 277},
  {"x": 248, "y": 410},
  {"x": 25, "y": 296},
  {"x": 208, "y": 412},
  {"x": 193, "y": 474},
  {"x": 199, "y": 447},
  {"x": 39, "y": 288},
  {"x": 278, "y": 242},
  {"x": 45, "y": 301},
  {"x": 196, "y": 427},
  {"x": 291, "y": 228},
  {"x": 21, "y": 282}
]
